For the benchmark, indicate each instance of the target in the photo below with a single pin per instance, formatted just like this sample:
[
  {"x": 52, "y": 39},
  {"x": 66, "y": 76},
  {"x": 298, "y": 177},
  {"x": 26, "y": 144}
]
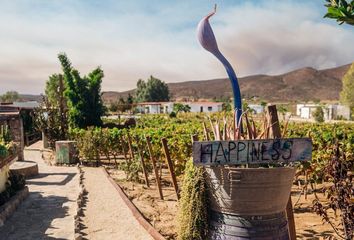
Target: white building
[
  {"x": 149, "y": 107},
  {"x": 256, "y": 107},
  {"x": 167, "y": 107},
  {"x": 331, "y": 111}
]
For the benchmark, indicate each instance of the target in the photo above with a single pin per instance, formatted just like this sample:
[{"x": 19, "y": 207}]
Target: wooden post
[
  {"x": 157, "y": 177},
  {"x": 276, "y": 133},
  {"x": 206, "y": 133},
  {"x": 194, "y": 138},
  {"x": 123, "y": 148},
  {"x": 170, "y": 165},
  {"x": 130, "y": 146},
  {"x": 141, "y": 154}
]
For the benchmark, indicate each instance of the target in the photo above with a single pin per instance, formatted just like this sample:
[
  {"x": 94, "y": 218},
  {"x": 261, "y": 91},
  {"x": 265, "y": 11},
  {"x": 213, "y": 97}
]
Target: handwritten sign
[{"x": 256, "y": 151}]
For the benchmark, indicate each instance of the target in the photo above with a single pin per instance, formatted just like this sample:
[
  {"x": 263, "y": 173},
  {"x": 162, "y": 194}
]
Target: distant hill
[{"x": 304, "y": 84}]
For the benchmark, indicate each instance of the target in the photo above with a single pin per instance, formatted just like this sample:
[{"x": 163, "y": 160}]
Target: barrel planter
[{"x": 248, "y": 203}]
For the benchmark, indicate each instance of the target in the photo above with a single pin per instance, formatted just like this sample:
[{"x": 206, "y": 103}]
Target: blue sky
[{"x": 136, "y": 39}]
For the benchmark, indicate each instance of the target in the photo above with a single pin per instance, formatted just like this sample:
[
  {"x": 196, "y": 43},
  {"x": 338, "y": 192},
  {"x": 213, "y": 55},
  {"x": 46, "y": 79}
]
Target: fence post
[
  {"x": 170, "y": 165},
  {"x": 158, "y": 183},
  {"x": 141, "y": 153}
]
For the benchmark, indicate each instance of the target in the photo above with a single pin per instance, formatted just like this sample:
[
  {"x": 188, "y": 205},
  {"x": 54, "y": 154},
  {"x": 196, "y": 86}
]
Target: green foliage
[
  {"x": 347, "y": 94},
  {"x": 193, "y": 215},
  {"x": 154, "y": 90},
  {"x": 10, "y": 96},
  {"x": 172, "y": 115},
  {"x": 48, "y": 119},
  {"x": 83, "y": 94},
  {"x": 55, "y": 88},
  {"x": 133, "y": 168},
  {"x": 341, "y": 10},
  {"x": 324, "y": 137},
  {"x": 3, "y": 151},
  {"x": 5, "y": 138},
  {"x": 179, "y": 107},
  {"x": 318, "y": 114},
  {"x": 130, "y": 99},
  {"x": 5, "y": 134}
]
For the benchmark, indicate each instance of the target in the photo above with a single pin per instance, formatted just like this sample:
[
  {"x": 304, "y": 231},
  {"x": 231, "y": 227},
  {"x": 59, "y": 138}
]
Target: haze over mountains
[{"x": 305, "y": 84}]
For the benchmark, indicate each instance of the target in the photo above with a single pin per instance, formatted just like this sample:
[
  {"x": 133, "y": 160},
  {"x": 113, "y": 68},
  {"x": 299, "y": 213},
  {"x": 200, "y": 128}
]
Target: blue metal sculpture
[{"x": 207, "y": 39}]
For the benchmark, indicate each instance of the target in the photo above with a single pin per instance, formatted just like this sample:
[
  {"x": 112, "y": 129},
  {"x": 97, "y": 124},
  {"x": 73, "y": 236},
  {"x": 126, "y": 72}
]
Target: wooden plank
[
  {"x": 170, "y": 165},
  {"x": 275, "y": 127},
  {"x": 255, "y": 151},
  {"x": 157, "y": 177}
]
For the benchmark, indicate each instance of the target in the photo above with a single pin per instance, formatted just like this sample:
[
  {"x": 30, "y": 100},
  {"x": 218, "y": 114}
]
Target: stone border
[
  {"x": 136, "y": 213},
  {"x": 80, "y": 201},
  {"x": 9, "y": 207}
]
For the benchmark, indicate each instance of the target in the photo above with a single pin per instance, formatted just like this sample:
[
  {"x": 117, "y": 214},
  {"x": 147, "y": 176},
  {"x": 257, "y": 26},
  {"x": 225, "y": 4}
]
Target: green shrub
[{"x": 193, "y": 215}]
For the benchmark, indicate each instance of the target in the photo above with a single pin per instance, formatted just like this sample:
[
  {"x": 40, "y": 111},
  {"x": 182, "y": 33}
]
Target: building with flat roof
[{"x": 167, "y": 107}]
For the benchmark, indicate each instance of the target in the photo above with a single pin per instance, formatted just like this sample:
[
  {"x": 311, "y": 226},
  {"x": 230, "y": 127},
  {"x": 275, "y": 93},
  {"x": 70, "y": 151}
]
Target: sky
[{"x": 134, "y": 39}]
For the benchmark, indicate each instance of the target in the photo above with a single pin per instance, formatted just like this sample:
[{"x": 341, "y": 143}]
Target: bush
[
  {"x": 318, "y": 114},
  {"x": 193, "y": 215}
]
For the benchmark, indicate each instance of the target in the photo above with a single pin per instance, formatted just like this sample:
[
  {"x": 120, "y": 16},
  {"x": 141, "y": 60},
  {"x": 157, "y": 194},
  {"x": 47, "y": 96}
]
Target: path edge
[
  {"x": 10, "y": 207},
  {"x": 135, "y": 211}
]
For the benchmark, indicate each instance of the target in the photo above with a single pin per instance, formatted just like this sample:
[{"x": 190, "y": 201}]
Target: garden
[{"x": 136, "y": 158}]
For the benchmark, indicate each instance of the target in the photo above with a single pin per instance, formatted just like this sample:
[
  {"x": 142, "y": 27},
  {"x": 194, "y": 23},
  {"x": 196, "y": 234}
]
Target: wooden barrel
[{"x": 249, "y": 203}]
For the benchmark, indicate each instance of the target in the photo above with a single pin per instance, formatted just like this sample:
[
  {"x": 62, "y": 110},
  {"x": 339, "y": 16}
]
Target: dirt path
[
  {"x": 105, "y": 215},
  {"x": 48, "y": 212}
]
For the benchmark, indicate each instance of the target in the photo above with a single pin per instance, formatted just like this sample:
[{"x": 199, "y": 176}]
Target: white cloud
[{"x": 268, "y": 38}]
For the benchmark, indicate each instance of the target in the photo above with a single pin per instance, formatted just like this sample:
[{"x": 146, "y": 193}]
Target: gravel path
[
  {"x": 106, "y": 216},
  {"x": 48, "y": 212}
]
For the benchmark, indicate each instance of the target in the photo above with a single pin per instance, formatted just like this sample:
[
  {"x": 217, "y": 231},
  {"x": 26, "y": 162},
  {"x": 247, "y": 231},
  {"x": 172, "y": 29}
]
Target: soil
[{"x": 162, "y": 214}]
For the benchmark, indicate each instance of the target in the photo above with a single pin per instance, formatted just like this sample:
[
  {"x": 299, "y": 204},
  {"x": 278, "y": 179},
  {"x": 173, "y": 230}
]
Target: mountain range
[{"x": 305, "y": 84}]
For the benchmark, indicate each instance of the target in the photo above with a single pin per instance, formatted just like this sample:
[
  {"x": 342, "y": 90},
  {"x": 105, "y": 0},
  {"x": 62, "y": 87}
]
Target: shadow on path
[
  {"x": 68, "y": 178},
  {"x": 33, "y": 218}
]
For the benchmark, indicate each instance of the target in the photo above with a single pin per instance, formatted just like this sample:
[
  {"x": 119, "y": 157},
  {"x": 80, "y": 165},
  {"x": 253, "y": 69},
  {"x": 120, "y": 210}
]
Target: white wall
[
  {"x": 305, "y": 112},
  {"x": 257, "y": 108},
  {"x": 202, "y": 107}
]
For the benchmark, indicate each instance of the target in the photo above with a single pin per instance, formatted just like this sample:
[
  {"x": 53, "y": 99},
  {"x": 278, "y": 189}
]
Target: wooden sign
[{"x": 254, "y": 151}]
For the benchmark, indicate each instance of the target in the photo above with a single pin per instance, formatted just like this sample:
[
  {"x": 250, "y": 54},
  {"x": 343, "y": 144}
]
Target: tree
[
  {"x": 113, "y": 107},
  {"x": 282, "y": 110},
  {"x": 130, "y": 101},
  {"x": 341, "y": 10},
  {"x": 154, "y": 90},
  {"x": 121, "y": 106},
  {"x": 83, "y": 94},
  {"x": 347, "y": 94},
  {"x": 10, "y": 96},
  {"x": 47, "y": 119},
  {"x": 179, "y": 107},
  {"x": 318, "y": 114},
  {"x": 55, "y": 89}
]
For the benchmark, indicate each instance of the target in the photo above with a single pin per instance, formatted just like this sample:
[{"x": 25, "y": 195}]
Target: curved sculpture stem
[{"x": 208, "y": 41}]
